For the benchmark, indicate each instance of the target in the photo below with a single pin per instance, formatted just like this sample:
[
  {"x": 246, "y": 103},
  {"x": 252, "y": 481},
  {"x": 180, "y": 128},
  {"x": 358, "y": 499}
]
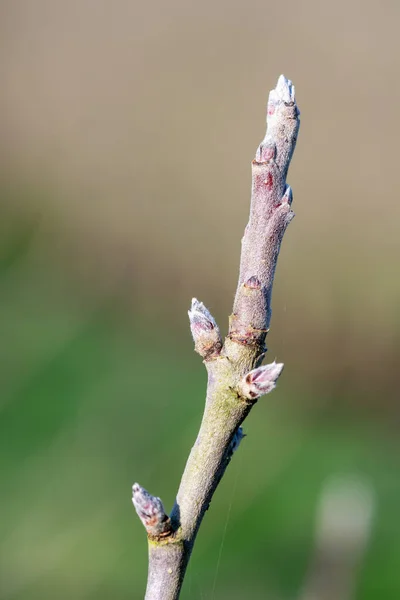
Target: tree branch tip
[
  {"x": 260, "y": 381},
  {"x": 285, "y": 89},
  {"x": 280, "y": 98},
  {"x": 283, "y": 92}
]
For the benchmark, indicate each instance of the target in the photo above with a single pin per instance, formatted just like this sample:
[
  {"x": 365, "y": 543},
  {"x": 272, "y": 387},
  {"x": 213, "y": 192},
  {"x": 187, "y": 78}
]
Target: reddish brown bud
[{"x": 253, "y": 283}]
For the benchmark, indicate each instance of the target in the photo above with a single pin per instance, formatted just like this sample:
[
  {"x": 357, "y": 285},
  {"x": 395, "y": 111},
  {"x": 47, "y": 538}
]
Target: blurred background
[{"x": 126, "y": 136}]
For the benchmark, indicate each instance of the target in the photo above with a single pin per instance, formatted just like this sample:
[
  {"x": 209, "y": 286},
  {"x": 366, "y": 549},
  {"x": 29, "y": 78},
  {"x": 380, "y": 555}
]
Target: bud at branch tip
[{"x": 283, "y": 92}]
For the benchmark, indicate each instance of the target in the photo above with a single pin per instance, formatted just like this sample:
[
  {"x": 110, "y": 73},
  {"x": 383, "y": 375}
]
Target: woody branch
[{"x": 236, "y": 378}]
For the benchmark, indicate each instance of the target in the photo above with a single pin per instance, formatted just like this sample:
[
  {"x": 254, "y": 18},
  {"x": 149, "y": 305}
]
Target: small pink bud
[
  {"x": 253, "y": 283},
  {"x": 266, "y": 151},
  {"x": 150, "y": 511},
  {"x": 260, "y": 381},
  {"x": 205, "y": 332}
]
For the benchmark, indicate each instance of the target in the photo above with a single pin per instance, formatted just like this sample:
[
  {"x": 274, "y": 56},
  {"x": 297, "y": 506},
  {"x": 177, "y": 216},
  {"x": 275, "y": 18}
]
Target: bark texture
[{"x": 235, "y": 378}]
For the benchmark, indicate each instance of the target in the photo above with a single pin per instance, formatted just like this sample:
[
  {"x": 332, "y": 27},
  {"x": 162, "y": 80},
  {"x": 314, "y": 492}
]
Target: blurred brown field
[{"x": 126, "y": 136}]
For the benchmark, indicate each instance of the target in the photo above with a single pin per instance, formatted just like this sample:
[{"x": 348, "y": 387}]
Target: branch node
[{"x": 247, "y": 335}]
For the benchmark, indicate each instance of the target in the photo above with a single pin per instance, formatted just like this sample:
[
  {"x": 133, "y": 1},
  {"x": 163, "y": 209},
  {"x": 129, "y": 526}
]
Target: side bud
[
  {"x": 287, "y": 196},
  {"x": 260, "y": 381},
  {"x": 205, "y": 331},
  {"x": 151, "y": 512}
]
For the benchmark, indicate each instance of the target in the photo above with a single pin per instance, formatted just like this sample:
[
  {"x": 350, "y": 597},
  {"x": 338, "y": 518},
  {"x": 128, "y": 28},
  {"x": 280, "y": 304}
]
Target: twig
[{"x": 235, "y": 378}]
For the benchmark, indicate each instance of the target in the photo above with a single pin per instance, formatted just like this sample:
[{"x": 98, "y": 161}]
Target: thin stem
[{"x": 235, "y": 378}]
